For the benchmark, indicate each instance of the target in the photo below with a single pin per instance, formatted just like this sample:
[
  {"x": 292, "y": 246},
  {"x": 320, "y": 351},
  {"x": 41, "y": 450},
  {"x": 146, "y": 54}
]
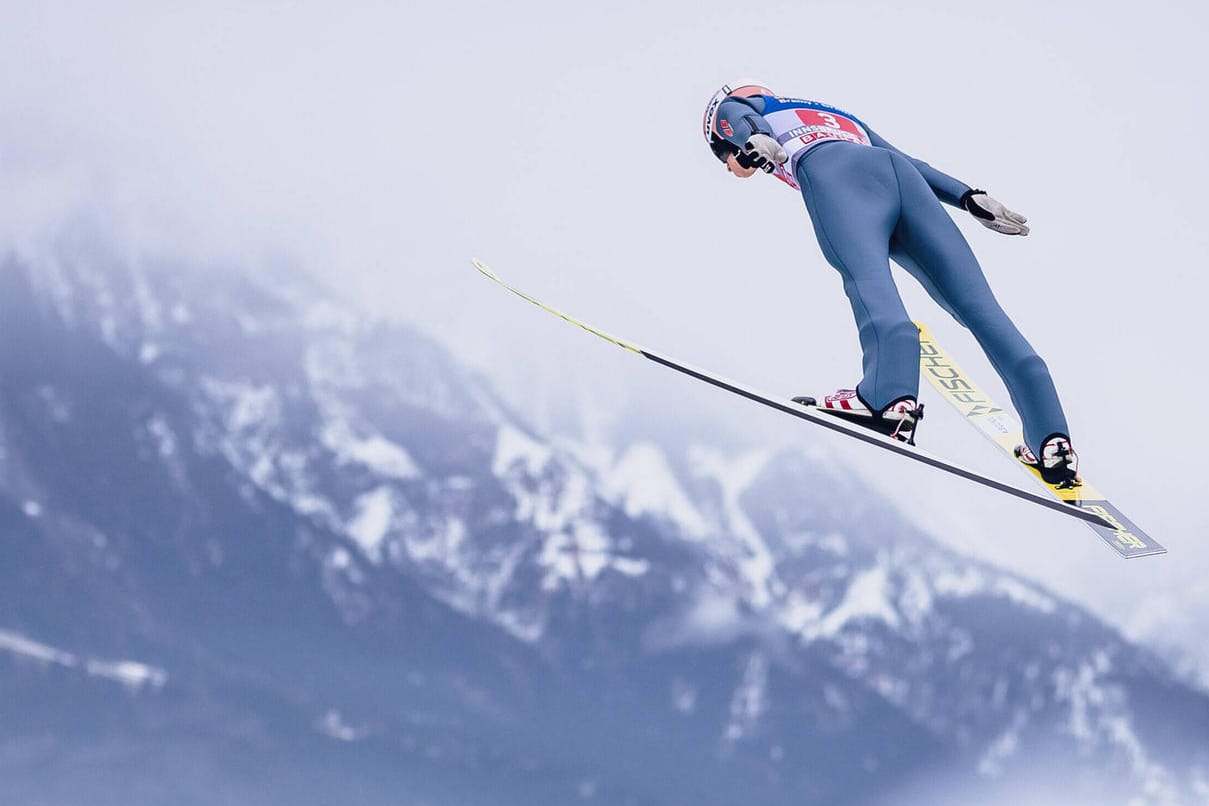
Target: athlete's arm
[
  {"x": 739, "y": 119},
  {"x": 946, "y": 188},
  {"x": 744, "y": 128},
  {"x": 990, "y": 213}
]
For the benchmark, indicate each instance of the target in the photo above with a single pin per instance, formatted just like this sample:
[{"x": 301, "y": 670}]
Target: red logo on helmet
[{"x": 725, "y": 127}]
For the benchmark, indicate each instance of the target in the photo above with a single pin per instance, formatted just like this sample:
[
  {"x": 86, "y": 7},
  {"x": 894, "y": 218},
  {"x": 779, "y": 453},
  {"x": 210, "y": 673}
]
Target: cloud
[{"x": 385, "y": 144}]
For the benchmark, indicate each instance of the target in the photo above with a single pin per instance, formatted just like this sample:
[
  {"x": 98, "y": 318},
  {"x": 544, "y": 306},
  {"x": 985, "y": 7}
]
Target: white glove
[
  {"x": 763, "y": 152},
  {"x": 993, "y": 215}
]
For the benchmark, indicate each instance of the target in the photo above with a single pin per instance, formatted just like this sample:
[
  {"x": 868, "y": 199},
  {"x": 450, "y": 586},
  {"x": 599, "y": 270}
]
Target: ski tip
[{"x": 483, "y": 268}]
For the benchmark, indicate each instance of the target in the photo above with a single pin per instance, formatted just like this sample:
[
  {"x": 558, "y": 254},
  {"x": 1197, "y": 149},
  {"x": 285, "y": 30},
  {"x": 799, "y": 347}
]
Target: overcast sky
[{"x": 385, "y": 145}]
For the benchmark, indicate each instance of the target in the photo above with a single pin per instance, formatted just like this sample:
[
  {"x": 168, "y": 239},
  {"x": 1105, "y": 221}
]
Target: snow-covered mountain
[{"x": 257, "y": 549}]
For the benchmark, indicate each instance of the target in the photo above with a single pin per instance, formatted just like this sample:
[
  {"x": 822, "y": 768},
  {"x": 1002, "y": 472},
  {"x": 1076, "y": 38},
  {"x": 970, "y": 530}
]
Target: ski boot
[
  {"x": 1059, "y": 464},
  {"x": 898, "y": 420}
]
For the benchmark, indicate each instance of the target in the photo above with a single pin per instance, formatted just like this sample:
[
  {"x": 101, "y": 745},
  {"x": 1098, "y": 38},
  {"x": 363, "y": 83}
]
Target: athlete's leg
[
  {"x": 853, "y": 200},
  {"x": 931, "y": 244},
  {"x": 899, "y": 256}
]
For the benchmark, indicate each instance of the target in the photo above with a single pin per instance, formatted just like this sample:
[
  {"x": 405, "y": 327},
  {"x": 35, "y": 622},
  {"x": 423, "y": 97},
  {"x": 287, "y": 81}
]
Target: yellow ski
[
  {"x": 1003, "y": 428},
  {"x": 813, "y": 415}
]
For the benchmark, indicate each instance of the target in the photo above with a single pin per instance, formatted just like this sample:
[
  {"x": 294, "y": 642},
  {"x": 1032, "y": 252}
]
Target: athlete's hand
[
  {"x": 993, "y": 215},
  {"x": 763, "y": 152}
]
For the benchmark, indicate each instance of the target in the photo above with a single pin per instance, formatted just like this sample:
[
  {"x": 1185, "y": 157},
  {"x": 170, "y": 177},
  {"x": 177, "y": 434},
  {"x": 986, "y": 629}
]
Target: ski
[
  {"x": 815, "y": 416},
  {"x": 1005, "y": 430}
]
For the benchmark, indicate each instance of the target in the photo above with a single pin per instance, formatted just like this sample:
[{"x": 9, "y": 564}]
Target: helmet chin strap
[{"x": 737, "y": 168}]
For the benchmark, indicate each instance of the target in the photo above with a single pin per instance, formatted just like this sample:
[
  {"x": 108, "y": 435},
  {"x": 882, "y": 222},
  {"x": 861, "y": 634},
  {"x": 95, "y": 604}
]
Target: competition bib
[{"x": 800, "y": 125}]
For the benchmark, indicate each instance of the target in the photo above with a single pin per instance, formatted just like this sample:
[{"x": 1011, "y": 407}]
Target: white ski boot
[
  {"x": 898, "y": 420},
  {"x": 1059, "y": 464}
]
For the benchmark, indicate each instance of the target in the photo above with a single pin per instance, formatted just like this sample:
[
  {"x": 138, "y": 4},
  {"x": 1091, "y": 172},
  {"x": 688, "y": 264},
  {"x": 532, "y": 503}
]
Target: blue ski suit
[{"x": 870, "y": 203}]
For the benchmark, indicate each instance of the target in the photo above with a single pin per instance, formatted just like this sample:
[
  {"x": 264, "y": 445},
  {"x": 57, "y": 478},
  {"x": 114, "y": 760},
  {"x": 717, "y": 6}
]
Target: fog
[{"x": 383, "y": 146}]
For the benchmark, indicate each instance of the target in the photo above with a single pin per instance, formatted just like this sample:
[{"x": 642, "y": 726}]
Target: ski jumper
[{"x": 870, "y": 203}]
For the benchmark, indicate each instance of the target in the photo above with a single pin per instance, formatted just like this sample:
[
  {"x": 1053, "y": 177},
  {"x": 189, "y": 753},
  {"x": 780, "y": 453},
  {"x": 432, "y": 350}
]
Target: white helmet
[{"x": 714, "y": 136}]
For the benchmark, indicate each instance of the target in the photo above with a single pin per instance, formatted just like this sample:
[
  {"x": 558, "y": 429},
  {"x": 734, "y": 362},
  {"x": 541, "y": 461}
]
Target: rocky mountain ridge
[{"x": 262, "y": 541}]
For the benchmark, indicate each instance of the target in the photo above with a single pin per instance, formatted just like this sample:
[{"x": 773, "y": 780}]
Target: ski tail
[{"x": 1003, "y": 428}]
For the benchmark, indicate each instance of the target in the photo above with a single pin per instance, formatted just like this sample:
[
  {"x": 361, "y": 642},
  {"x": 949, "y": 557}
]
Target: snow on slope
[
  {"x": 734, "y": 475},
  {"x": 133, "y": 675},
  {"x": 554, "y": 531},
  {"x": 643, "y": 484}
]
